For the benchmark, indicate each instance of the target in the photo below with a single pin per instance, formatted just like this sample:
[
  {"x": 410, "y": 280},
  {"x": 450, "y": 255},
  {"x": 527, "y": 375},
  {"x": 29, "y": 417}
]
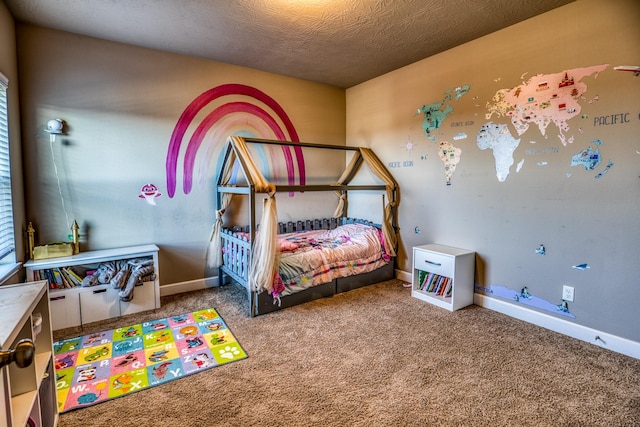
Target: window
[{"x": 7, "y": 241}]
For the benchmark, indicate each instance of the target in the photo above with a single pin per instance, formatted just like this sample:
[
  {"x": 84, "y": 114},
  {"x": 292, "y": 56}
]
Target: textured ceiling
[{"x": 338, "y": 42}]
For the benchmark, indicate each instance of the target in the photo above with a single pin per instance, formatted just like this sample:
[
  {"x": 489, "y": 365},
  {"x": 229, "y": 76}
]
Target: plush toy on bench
[{"x": 122, "y": 274}]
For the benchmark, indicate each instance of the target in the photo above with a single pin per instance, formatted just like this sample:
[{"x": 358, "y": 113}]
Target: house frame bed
[{"x": 248, "y": 259}]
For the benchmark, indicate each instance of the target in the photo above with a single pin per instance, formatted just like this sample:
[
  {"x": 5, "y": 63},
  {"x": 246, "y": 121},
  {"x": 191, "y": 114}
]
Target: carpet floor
[{"x": 375, "y": 356}]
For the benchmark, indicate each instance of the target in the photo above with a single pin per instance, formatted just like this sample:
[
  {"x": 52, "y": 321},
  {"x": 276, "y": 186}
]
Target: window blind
[{"x": 7, "y": 242}]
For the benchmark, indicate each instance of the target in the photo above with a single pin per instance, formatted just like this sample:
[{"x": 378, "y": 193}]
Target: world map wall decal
[
  {"x": 244, "y": 115},
  {"x": 545, "y": 102}
]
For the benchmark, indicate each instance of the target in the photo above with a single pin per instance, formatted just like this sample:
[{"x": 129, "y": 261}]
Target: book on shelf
[
  {"x": 422, "y": 276},
  {"x": 49, "y": 276},
  {"x": 427, "y": 281},
  {"x": 73, "y": 275},
  {"x": 73, "y": 282},
  {"x": 435, "y": 283},
  {"x": 447, "y": 284},
  {"x": 449, "y": 290},
  {"x": 59, "y": 277},
  {"x": 443, "y": 285}
]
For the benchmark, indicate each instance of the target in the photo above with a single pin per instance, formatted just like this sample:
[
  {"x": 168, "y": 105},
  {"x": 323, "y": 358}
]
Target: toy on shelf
[{"x": 55, "y": 249}]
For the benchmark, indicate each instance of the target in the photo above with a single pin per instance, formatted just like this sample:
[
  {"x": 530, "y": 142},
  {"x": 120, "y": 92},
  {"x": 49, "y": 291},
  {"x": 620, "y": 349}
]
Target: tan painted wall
[
  {"x": 121, "y": 104},
  {"x": 579, "y": 219},
  {"x": 9, "y": 67}
]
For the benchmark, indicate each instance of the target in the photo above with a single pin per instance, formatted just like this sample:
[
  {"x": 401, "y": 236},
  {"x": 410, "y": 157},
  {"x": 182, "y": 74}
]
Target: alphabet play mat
[{"x": 93, "y": 368}]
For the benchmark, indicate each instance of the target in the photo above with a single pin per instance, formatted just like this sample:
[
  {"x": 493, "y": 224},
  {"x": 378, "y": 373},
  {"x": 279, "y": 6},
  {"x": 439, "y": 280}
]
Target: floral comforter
[{"x": 310, "y": 258}]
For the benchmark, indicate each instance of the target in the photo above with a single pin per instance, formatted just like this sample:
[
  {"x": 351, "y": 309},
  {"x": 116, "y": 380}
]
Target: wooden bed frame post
[{"x": 252, "y": 232}]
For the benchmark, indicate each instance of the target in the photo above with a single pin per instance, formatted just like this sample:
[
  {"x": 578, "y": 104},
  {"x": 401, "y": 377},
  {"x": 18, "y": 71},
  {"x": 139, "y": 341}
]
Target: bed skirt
[
  {"x": 264, "y": 302},
  {"x": 236, "y": 252}
]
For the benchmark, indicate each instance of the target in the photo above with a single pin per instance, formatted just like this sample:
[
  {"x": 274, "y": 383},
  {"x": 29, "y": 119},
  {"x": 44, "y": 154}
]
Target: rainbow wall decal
[{"x": 231, "y": 118}]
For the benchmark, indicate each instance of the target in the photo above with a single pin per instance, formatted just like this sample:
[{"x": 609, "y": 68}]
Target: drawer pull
[
  {"x": 99, "y": 291},
  {"x": 433, "y": 262},
  {"x": 57, "y": 298}
]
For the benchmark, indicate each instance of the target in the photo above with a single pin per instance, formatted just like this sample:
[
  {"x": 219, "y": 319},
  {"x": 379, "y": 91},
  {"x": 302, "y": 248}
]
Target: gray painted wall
[
  {"x": 9, "y": 67},
  {"x": 121, "y": 104},
  {"x": 579, "y": 219}
]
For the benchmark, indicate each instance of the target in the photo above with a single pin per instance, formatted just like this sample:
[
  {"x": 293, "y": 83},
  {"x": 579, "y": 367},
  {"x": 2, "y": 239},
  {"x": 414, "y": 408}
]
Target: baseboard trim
[
  {"x": 583, "y": 333},
  {"x": 403, "y": 275},
  {"x": 188, "y": 286}
]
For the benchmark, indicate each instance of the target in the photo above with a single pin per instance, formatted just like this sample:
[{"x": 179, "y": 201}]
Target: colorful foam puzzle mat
[{"x": 97, "y": 367}]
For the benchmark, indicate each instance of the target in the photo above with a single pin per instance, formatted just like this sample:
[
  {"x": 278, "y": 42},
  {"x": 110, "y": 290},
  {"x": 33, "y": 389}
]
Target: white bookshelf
[
  {"x": 446, "y": 266},
  {"x": 81, "y": 305}
]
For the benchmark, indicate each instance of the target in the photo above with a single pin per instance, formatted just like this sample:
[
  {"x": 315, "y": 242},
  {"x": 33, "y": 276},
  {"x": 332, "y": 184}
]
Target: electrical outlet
[{"x": 567, "y": 293}]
